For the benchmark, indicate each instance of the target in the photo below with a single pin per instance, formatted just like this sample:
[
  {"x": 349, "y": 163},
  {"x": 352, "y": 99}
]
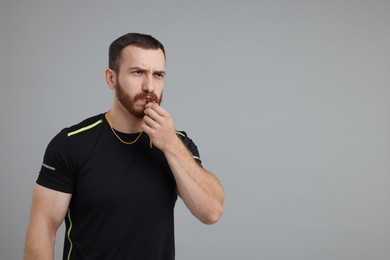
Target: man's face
[{"x": 140, "y": 79}]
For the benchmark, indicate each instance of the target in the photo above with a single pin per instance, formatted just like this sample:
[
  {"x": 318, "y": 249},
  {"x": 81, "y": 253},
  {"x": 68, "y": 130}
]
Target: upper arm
[{"x": 48, "y": 207}]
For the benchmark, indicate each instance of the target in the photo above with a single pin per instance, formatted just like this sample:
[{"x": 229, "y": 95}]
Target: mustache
[{"x": 149, "y": 96}]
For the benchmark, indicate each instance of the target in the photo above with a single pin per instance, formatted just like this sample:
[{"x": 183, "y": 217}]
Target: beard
[{"x": 128, "y": 102}]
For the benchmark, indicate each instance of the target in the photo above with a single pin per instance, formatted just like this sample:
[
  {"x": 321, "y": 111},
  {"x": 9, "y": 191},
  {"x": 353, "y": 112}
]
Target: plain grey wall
[{"x": 288, "y": 102}]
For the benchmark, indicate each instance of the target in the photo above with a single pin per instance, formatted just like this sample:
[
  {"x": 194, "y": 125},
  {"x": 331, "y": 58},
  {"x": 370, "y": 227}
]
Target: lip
[{"x": 148, "y": 100}]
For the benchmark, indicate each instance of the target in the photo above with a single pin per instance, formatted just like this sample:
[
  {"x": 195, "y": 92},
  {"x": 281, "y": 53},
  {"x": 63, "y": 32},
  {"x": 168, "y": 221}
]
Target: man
[{"x": 115, "y": 177}]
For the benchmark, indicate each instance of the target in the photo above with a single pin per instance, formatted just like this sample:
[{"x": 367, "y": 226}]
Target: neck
[{"x": 123, "y": 121}]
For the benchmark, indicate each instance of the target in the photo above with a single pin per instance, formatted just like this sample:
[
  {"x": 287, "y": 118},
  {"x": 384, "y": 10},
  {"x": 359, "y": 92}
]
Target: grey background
[{"x": 288, "y": 102}]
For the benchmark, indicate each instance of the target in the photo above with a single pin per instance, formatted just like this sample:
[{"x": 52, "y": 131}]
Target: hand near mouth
[
  {"x": 150, "y": 100},
  {"x": 158, "y": 125}
]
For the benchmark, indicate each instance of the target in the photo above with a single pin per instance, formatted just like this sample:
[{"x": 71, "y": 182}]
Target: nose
[{"x": 148, "y": 84}]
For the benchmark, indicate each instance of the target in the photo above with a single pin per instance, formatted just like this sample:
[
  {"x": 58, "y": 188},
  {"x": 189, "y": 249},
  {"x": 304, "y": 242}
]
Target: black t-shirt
[{"x": 123, "y": 196}]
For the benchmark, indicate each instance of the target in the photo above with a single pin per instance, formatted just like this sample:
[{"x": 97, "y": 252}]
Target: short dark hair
[{"x": 136, "y": 39}]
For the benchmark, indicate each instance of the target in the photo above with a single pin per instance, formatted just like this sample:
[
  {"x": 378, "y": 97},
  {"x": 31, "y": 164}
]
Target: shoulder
[
  {"x": 181, "y": 134},
  {"x": 191, "y": 146},
  {"x": 184, "y": 137},
  {"x": 77, "y": 130},
  {"x": 84, "y": 126}
]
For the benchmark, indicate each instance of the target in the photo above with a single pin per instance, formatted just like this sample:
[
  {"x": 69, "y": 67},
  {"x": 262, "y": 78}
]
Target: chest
[{"x": 113, "y": 173}]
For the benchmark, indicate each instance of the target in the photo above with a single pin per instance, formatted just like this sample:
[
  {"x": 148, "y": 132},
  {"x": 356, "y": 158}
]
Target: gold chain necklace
[{"x": 117, "y": 136}]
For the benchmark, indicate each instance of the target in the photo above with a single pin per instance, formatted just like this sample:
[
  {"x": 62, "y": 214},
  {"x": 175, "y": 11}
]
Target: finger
[
  {"x": 146, "y": 128},
  {"x": 151, "y": 105},
  {"x": 159, "y": 110},
  {"x": 150, "y": 121},
  {"x": 149, "y": 112}
]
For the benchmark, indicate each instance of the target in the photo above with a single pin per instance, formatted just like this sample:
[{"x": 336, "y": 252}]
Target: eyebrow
[
  {"x": 162, "y": 72},
  {"x": 143, "y": 69}
]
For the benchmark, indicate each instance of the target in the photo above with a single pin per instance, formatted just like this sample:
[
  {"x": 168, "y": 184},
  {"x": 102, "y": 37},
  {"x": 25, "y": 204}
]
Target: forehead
[{"x": 146, "y": 58}]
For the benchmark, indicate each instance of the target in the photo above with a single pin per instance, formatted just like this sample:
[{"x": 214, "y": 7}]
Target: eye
[
  {"x": 137, "y": 72},
  {"x": 159, "y": 75}
]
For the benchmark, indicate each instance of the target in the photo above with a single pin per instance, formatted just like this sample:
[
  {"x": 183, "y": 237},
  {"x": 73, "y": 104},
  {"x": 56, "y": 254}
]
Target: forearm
[
  {"x": 200, "y": 190},
  {"x": 39, "y": 243}
]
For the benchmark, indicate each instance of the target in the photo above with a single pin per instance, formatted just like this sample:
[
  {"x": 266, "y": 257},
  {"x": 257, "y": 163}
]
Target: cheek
[
  {"x": 130, "y": 86},
  {"x": 159, "y": 86}
]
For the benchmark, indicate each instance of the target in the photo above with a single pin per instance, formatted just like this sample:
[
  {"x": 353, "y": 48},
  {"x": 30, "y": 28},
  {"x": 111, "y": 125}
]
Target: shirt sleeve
[
  {"x": 56, "y": 171},
  {"x": 191, "y": 146}
]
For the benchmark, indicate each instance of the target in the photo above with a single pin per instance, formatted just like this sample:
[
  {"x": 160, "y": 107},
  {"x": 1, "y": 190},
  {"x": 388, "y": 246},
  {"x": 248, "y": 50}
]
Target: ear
[{"x": 110, "y": 77}]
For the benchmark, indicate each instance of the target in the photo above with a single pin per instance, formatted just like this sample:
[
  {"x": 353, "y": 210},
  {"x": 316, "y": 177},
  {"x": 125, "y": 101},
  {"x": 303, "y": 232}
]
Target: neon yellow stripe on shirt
[
  {"x": 70, "y": 229},
  {"x": 177, "y": 132},
  {"x": 85, "y": 128}
]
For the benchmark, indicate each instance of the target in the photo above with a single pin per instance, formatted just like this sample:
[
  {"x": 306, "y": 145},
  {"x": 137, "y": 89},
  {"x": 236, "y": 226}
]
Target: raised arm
[
  {"x": 48, "y": 210},
  {"x": 200, "y": 190}
]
